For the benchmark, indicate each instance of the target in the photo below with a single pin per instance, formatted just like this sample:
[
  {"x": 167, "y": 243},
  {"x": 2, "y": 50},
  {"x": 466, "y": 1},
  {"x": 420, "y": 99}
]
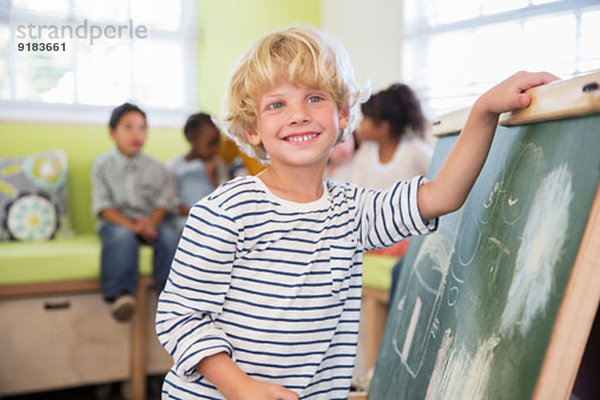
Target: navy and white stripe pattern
[{"x": 277, "y": 284}]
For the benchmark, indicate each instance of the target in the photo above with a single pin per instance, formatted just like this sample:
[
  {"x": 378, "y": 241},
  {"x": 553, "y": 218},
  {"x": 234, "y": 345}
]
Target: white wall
[{"x": 371, "y": 31}]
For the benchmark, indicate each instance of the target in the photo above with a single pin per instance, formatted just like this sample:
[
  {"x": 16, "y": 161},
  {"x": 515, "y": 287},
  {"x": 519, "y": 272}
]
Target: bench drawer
[{"x": 53, "y": 342}]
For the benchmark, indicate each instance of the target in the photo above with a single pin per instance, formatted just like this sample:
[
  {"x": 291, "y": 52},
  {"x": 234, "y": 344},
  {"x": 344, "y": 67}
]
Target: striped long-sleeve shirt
[{"x": 277, "y": 284}]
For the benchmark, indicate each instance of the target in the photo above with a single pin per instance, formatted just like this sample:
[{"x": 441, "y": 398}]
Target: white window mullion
[
  {"x": 132, "y": 89},
  {"x": 12, "y": 63},
  {"x": 190, "y": 68},
  {"x": 74, "y": 57},
  {"x": 428, "y": 27},
  {"x": 578, "y": 57}
]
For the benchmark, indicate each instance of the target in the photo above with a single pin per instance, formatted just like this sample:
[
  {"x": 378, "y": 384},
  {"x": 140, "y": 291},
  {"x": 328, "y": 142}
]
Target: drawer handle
[{"x": 59, "y": 305}]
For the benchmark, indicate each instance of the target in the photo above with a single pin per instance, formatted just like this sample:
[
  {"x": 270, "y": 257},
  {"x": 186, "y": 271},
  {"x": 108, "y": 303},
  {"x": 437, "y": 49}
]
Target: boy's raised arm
[{"x": 449, "y": 189}]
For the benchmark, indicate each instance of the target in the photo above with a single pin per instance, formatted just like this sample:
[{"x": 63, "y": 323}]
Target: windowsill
[{"x": 82, "y": 114}]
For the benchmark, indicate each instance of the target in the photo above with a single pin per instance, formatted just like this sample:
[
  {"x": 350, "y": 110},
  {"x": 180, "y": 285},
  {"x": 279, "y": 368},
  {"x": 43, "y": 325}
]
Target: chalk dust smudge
[
  {"x": 542, "y": 241},
  {"x": 459, "y": 375}
]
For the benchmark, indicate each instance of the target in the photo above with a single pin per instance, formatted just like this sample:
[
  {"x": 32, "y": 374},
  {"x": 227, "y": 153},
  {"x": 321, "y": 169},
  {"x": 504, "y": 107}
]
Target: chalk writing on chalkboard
[
  {"x": 433, "y": 272},
  {"x": 458, "y": 373},
  {"x": 529, "y": 161},
  {"x": 411, "y": 344}
]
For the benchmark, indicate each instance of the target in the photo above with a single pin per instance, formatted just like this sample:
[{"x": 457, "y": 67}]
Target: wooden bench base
[{"x": 61, "y": 335}]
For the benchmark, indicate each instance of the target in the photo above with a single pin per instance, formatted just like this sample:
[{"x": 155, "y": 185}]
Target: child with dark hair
[
  {"x": 392, "y": 130},
  {"x": 199, "y": 171},
  {"x": 392, "y": 134},
  {"x": 131, "y": 193}
]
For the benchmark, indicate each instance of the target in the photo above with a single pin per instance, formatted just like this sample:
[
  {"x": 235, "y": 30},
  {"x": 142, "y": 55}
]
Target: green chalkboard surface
[{"x": 477, "y": 300}]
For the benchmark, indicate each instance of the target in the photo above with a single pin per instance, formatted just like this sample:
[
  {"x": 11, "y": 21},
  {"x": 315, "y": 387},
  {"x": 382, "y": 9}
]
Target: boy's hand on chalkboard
[
  {"x": 450, "y": 187},
  {"x": 257, "y": 390},
  {"x": 510, "y": 94}
]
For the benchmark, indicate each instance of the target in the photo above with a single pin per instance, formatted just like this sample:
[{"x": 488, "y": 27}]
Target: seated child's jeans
[{"x": 119, "y": 260}]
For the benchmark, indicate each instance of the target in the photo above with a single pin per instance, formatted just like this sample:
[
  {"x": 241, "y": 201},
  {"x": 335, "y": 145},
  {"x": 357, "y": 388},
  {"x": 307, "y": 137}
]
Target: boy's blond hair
[{"x": 298, "y": 54}]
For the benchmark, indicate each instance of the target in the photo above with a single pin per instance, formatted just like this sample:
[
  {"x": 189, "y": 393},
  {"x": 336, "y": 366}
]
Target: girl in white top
[
  {"x": 391, "y": 133},
  {"x": 391, "y": 149}
]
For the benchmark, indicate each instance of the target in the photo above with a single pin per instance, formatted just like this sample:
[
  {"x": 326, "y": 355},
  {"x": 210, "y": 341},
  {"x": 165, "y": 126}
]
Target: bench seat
[{"x": 73, "y": 259}]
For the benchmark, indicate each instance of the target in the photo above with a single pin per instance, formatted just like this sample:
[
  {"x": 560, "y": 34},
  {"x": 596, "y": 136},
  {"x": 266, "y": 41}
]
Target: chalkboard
[{"x": 477, "y": 306}]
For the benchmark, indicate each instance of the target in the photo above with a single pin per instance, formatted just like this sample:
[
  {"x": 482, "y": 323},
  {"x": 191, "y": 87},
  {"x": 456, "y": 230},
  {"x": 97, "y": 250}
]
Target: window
[
  {"x": 456, "y": 49},
  {"x": 74, "y": 60}
]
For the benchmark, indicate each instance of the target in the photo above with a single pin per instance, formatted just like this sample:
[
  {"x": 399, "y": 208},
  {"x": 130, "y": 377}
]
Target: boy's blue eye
[
  {"x": 275, "y": 105},
  {"x": 314, "y": 99}
]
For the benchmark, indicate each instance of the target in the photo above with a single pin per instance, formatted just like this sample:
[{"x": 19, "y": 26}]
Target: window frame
[
  {"x": 82, "y": 113},
  {"x": 423, "y": 29}
]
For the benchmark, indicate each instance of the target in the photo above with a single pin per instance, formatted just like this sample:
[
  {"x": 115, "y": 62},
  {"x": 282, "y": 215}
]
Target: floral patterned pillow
[{"x": 33, "y": 197}]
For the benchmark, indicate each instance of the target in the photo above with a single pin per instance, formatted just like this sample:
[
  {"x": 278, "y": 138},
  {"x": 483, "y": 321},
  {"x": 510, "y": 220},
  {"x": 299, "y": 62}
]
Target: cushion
[
  {"x": 58, "y": 260},
  {"x": 33, "y": 197},
  {"x": 377, "y": 270}
]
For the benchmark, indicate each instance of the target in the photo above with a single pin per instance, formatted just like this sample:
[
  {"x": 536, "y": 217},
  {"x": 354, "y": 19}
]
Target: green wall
[
  {"x": 82, "y": 144},
  {"x": 80, "y": 141},
  {"x": 228, "y": 27}
]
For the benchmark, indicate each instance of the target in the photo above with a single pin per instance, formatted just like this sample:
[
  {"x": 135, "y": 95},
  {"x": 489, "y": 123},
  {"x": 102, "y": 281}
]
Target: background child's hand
[
  {"x": 183, "y": 209},
  {"x": 146, "y": 229},
  {"x": 510, "y": 94}
]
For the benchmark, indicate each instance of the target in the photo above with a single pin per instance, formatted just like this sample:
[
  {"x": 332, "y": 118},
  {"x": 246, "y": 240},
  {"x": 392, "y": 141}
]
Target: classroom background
[{"x": 173, "y": 59}]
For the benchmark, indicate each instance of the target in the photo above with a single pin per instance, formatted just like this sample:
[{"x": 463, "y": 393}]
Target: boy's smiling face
[{"x": 297, "y": 125}]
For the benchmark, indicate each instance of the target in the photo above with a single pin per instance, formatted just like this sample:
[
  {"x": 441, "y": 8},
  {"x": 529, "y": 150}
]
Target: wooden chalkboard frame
[
  {"x": 575, "y": 315},
  {"x": 575, "y": 97}
]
